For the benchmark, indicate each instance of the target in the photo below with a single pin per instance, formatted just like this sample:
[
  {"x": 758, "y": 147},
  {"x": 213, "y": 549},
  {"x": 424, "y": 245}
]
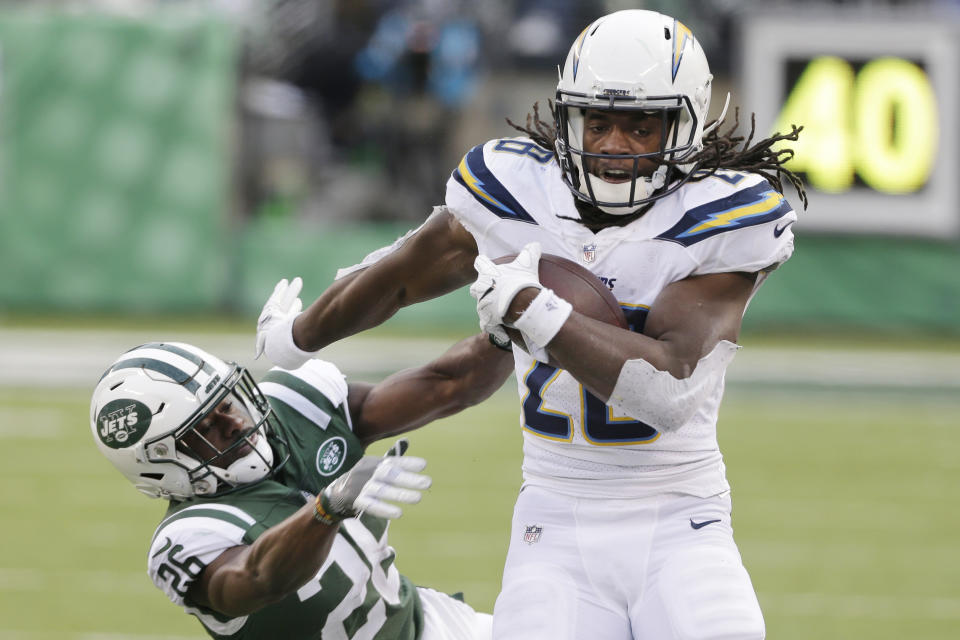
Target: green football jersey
[
  {"x": 357, "y": 593},
  {"x": 311, "y": 403}
]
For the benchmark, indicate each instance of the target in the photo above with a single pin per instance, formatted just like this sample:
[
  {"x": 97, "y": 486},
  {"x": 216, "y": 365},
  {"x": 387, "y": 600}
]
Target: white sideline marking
[
  {"x": 99, "y": 581},
  {"x": 809, "y": 605},
  {"x": 67, "y": 358},
  {"x": 30, "y": 422}
]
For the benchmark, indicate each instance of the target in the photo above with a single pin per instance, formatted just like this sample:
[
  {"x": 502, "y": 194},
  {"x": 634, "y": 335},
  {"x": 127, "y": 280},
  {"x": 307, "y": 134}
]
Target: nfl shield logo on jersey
[
  {"x": 589, "y": 252},
  {"x": 532, "y": 534}
]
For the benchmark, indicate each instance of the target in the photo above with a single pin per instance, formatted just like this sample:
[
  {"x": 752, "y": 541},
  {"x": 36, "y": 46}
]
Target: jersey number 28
[{"x": 600, "y": 426}]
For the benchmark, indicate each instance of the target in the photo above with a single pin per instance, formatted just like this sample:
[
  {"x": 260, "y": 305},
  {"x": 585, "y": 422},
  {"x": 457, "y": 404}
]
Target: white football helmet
[
  {"x": 154, "y": 395},
  {"x": 629, "y": 61}
]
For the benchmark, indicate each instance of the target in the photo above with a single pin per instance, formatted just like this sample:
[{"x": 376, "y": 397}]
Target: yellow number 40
[{"x": 880, "y": 123}]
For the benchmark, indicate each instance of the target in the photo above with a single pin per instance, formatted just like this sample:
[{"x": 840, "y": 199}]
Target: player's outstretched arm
[
  {"x": 246, "y": 578},
  {"x": 435, "y": 260},
  {"x": 465, "y": 375}
]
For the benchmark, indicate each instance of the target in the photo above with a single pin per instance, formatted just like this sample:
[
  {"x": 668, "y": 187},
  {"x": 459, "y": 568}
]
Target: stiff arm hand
[
  {"x": 275, "y": 326},
  {"x": 370, "y": 483}
]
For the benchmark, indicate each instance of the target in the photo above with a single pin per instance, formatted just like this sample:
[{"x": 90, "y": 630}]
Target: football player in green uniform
[{"x": 277, "y": 521}]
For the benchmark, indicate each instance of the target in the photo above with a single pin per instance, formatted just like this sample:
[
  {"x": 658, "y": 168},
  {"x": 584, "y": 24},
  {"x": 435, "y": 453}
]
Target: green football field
[{"x": 846, "y": 510}]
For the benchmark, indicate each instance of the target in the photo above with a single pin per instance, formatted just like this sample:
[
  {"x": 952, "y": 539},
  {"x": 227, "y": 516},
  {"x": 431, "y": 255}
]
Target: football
[{"x": 576, "y": 285}]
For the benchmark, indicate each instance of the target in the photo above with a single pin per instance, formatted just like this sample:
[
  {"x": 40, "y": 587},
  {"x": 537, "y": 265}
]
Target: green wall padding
[{"x": 114, "y": 160}]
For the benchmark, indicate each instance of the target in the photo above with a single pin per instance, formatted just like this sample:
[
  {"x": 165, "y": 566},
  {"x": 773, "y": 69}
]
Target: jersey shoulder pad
[
  {"x": 317, "y": 390},
  {"x": 722, "y": 203},
  {"x": 189, "y": 539},
  {"x": 733, "y": 221},
  {"x": 496, "y": 175}
]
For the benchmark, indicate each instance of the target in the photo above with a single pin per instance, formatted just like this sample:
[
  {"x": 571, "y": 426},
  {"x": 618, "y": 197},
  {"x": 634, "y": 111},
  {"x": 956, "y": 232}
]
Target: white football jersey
[{"x": 509, "y": 192}]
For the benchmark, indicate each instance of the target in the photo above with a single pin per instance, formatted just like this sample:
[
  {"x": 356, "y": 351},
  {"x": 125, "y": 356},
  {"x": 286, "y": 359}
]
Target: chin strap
[{"x": 719, "y": 120}]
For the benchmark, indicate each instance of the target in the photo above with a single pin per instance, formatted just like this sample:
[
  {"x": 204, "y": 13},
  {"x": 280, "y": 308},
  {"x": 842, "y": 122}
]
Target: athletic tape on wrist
[
  {"x": 543, "y": 318},
  {"x": 499, "y": 343}
]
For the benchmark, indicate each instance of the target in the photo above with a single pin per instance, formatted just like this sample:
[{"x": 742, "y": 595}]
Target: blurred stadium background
[{"x": 163, "y": 163}]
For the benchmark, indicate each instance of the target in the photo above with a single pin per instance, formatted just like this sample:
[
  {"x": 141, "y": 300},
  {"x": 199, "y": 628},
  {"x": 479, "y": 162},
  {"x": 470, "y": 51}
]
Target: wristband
[
  {"x": 541, "y": 321},
  {"x": 499, "y": 344},
  {"x": 321, "y": 511},
  {"x": 282, "y": 350}
]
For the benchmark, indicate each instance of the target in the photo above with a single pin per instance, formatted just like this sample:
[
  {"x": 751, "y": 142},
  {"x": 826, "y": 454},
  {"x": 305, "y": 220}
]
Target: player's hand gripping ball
[
  {"x": 498, "y": 283},
  {"x": 578, "y": 286}
]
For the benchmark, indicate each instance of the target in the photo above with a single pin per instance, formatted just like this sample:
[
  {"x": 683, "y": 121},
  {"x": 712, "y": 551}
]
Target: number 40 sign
[{"x": 876, "y": 96}]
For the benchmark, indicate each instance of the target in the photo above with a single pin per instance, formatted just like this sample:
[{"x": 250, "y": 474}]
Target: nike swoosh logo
[
  {"x": 487, "y": 292},
  {"x": 700, "y": 525},
  {"x": 778, "y": 231}
]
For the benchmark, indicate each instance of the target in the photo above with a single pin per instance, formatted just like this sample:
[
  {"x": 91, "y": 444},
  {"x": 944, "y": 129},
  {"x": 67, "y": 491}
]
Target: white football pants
[
  {"x": 446, "y": 618},
  {"x": 659, "y": 568}
]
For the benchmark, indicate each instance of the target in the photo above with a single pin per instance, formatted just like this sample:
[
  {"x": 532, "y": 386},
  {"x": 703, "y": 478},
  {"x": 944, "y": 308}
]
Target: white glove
[
  {"x": 370, "y": 482},
  {"x": 275, "y": 326},
  {"x": 498, "y": 284}
]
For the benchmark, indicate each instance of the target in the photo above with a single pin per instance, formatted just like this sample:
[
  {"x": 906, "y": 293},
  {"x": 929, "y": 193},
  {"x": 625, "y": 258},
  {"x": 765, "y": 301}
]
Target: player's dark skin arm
[
  {"x": 685, "y": 322},
  {"x": 246, "y": 578},
  {"x": 465, "y": 375},
  {"x": 436, "y": 260}
]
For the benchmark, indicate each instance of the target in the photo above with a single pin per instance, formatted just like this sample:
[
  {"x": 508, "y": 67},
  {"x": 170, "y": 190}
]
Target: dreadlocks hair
[
  {"x": 543, "y": 134},
  {"x": 720, "y": 151}
]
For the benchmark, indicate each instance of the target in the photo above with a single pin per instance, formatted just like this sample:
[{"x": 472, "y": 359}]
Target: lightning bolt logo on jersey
[{"x": 724, "y": 223}]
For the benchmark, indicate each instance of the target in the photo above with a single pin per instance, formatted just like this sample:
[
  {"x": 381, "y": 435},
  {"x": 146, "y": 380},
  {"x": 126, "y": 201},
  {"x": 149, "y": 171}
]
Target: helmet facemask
[
  {"x": 678, "y": 127},
  {"x": 630, "y": 61},
  {"x": 213, "y": 470}
]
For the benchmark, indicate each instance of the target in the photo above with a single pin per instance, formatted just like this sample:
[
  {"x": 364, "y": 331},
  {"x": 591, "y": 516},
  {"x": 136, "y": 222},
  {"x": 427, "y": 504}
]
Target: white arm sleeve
[{"x": 662, "y": 401}]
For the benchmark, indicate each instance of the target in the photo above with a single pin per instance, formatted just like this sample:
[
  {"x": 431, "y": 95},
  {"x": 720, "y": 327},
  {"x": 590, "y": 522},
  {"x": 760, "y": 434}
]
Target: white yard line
[
  {"x": 99, "y": 581},
  {"x": 33, "y": 423},
  {"x": 47, "y": 358},
  {"x": 820, "y": 605},
  {"x": 806, "y": 604}
]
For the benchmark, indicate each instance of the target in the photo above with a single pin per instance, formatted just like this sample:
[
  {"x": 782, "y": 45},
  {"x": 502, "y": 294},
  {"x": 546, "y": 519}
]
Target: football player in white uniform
[
  {"x": 277, "y": 523},
  {"x": 622, "y": 528}
]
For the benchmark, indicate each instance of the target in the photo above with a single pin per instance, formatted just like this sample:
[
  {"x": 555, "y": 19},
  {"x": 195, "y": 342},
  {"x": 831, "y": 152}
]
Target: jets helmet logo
[
  {"x": 121, "y": 423},
  {"x": 330, "y": 456}
]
